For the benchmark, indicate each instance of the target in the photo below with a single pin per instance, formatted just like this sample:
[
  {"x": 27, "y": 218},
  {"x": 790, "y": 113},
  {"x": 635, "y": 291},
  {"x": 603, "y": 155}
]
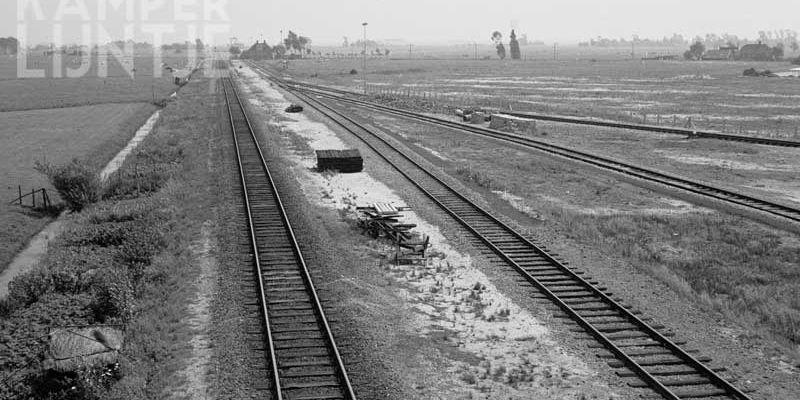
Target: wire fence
[{"x": 437, "y": 102}]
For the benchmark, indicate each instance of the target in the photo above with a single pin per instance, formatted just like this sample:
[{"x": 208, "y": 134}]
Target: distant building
[
  {"x": 756, "y": 52},
  {"x": 719, "y": 55},
  {"x": 258, "y": 51}
]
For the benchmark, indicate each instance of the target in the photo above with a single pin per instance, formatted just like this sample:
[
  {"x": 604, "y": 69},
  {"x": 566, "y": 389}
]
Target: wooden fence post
[
  {"x": 19, "y": 188},
  {"x": 33, "y": 198}
]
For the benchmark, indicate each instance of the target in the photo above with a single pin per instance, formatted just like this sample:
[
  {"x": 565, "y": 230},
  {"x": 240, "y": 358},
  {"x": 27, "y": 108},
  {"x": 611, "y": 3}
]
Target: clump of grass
[
  {"x": 477, "y": 177},
  {"x": 76, "y": 183},
  {"x": 147, "y": 171},
  {"x": 468, "y": 378},
  {"x": 732, "y": 266}
]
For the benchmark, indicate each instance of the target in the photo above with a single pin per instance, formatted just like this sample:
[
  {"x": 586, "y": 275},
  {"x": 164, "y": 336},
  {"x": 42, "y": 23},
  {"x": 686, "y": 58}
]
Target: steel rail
[
  {"x": 344, "y": 379},
  {"x": 602, "y": 338}
]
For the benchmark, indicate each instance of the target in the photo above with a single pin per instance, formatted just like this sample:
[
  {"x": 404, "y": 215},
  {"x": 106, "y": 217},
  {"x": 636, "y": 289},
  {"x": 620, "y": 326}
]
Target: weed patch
[
  {"x": 745, "y": 273},
  {"x": 76, "y": 183}
]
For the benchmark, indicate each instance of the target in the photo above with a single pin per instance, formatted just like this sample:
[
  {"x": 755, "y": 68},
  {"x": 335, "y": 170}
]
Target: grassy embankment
[
  {"x": 94, "y": 133},
  {"x": 125, "y": 260}
]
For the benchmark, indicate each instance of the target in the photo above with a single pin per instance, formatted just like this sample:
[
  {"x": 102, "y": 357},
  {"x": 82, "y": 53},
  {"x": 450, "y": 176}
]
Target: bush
[
  {"x": 75, "y": 182},
  {"x": 26, "y": 289},
  {"x": 113, "y": 296}
]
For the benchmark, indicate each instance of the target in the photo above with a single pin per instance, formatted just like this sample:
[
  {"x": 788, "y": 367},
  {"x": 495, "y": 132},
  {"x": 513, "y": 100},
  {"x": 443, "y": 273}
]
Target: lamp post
[{"x": 364, "y": 59}]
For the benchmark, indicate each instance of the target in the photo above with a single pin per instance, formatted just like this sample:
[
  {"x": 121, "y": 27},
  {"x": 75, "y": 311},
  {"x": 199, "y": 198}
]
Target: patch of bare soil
[
  {"x": 461, "y": 336},
  {"x": 194, "y": 375}
]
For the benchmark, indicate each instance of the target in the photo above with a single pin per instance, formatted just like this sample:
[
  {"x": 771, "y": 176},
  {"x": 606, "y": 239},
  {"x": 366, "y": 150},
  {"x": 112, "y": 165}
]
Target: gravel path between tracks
[{"x": 461, "y": 336}]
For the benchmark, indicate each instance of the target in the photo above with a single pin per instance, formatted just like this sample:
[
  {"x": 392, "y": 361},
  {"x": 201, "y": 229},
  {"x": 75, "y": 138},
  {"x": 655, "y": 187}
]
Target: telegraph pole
[
  {"x": 364, "y": 62},
  {"x": 555, "y": 51}
]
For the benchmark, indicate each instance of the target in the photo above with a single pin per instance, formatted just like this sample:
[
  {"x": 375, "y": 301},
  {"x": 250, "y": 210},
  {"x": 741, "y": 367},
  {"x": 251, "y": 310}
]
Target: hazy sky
[{"x": 416, "y": 21}]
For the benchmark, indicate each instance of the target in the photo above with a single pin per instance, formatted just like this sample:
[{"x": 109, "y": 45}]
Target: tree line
[
  {"x": 9, "y": 45},
  {"x": 787, "y": 37}
]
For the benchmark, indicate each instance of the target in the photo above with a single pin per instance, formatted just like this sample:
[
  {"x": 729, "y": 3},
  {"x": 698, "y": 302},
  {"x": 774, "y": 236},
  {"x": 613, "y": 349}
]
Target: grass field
[
  {"x": 714, "y": 94},
  {"x": 94, "y": 87},
  {"x": 94, "y": 133}
]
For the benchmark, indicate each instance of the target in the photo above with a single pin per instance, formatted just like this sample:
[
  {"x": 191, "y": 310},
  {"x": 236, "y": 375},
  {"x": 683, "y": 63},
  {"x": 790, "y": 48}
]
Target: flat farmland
[
  {"x": 713, "y": 93},
  {"x": 114, "y": 85},
  {"x": 93, "y": 133}
]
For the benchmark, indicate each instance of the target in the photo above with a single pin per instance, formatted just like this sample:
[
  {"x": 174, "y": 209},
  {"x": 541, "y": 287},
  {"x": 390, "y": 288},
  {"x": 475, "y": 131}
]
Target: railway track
[
  {"x": 638, "y": 349},
  {"x": 303, "y": 357},
  {"x": 659, "y": 129},
  {"x": 772, "y": 209},
  {"x": 610, "y": 124}
]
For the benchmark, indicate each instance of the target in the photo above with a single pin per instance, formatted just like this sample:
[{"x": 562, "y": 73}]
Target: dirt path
[{"x": 195, "y": 384}]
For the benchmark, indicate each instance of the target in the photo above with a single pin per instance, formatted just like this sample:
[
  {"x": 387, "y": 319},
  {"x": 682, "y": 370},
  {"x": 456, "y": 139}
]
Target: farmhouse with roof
[
  {"x": 756, "y": 52},
  {"x": 258, "y": 51}
]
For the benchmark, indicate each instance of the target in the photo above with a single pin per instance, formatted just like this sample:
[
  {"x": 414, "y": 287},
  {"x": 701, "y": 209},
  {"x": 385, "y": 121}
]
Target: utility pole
[
  {"x": 364, "y": 62},
  {"x": 555, "y": 51},
  {"x": 475, "y": 46},
  {"x": 410, "y": 48}
]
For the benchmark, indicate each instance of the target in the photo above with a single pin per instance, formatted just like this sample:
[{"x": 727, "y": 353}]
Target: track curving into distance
[
  {"x": 640, "y": 349},
  {"x": 773, "y": 209},
  {"x": 304, "y": 360}
]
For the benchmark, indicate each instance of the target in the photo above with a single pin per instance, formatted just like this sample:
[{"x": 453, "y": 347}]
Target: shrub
[
  {"x": 75, "y": 182},
  {"x": 113, "y": 296},
  {"x": 26, "y": 289},
  {"x": 140, "y": 246}
]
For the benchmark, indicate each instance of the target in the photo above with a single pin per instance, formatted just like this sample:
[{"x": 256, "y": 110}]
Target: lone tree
[
  {"x": 497, "y": 38},
  {"x": 695, "y": 51},
  {"x": 296, "y": 43},
  {"x": 514, "y": 47},
  {"x": 777, "y": 51}
]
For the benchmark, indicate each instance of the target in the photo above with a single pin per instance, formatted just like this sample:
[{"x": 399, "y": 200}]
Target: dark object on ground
[
  {"x": 755, "y": 72},
  {"x": 353, "y": 72},
  {"x": 294, "y": 108},
  {"x": 340, "y": 160},
  {"x": 468, "y": 115}
]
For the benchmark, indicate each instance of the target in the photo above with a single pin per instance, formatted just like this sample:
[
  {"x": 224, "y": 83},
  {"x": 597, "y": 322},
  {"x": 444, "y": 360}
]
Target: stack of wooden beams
[{"x": 340, "y": 160}]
